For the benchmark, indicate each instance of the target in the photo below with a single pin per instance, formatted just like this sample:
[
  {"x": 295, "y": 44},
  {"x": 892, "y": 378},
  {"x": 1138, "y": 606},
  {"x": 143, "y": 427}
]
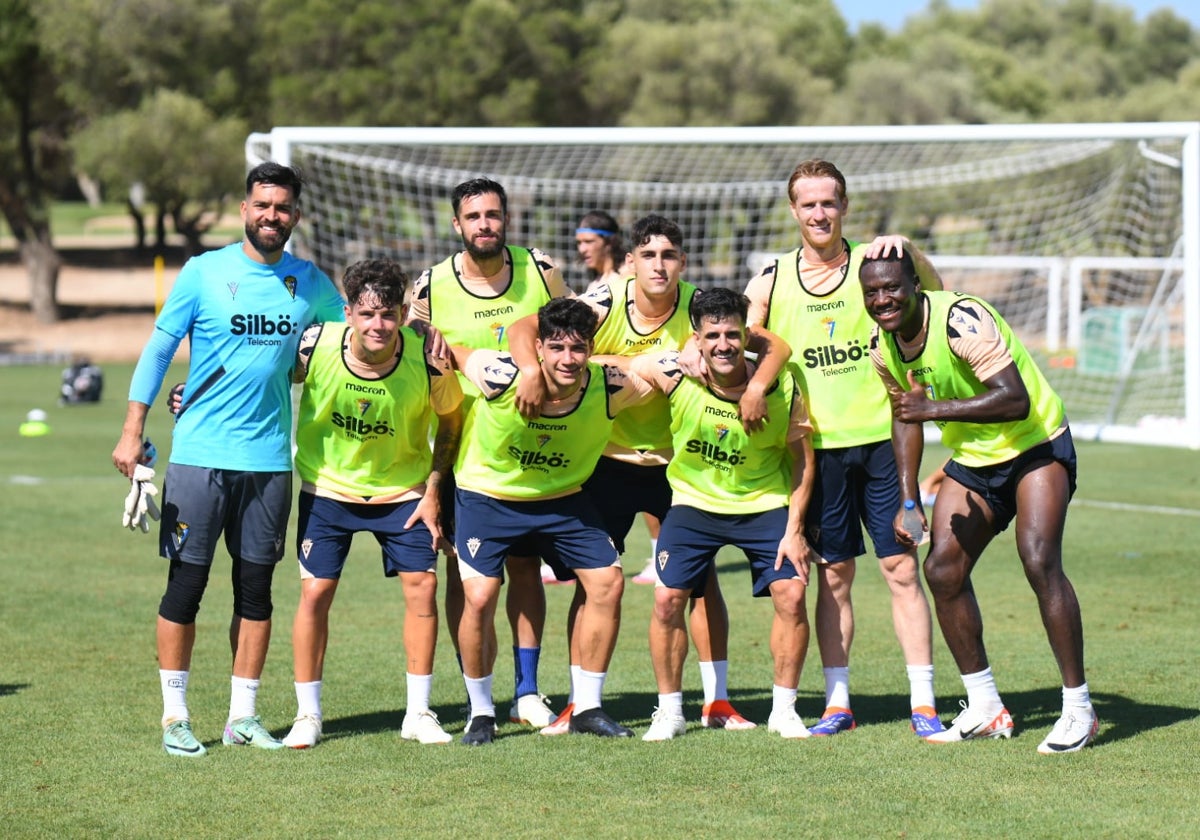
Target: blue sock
[{"x": 525, "y": 668}]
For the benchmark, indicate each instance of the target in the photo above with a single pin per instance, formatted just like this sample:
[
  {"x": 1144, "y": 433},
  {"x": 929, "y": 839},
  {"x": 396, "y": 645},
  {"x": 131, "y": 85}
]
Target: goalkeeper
[{"x": 243, "y": 308}]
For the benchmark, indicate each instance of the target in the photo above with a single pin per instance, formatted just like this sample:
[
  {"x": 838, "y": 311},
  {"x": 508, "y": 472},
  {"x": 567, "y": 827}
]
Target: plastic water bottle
[{"x": 911, "y": 522}]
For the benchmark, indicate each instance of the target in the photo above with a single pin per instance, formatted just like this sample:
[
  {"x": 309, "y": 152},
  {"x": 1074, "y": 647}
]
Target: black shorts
[{"x": 997, "y": 484}]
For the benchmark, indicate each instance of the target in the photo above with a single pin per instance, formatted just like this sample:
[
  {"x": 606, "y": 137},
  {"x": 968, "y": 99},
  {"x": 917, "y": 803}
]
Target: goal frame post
[{"x": 280, "y": 143}]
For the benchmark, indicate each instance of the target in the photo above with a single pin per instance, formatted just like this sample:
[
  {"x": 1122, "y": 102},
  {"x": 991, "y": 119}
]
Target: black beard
[
  {"x": 258, "y": 243},
  {"x": 485, "y": 253}
]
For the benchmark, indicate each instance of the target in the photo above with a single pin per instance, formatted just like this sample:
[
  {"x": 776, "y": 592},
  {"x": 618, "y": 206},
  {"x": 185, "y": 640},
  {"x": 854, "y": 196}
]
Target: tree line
[{"x": 161, "y": 95}]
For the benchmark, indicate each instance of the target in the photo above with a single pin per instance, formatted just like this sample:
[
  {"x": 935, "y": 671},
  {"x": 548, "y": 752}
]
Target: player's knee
[
  {"x": 945, "y": 578},
  {"x": 186, "y": 583},
  {"x": 252, "y": 591},
  {"x": 669, "y": 605}
]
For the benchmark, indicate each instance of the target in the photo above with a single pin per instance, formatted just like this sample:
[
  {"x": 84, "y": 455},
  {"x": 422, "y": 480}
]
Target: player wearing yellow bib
[
  {"x": 372, "y": 394},
  {"x": 730, "y": 488},
  {"x": 520, "y": 482},
  {"x": 810, "y": 298},
  {"x": 647, "y": 312},
  {"x": 953, "y": 360},
  {"x": 472, "y": 297}
]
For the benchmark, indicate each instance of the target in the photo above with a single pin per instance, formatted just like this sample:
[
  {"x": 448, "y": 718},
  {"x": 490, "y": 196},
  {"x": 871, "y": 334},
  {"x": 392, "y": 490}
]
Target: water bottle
[{"x": 911, "y": 522}]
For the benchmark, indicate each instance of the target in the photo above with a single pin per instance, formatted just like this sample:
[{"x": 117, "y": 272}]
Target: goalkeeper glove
[{"x": 140, "y": 502}]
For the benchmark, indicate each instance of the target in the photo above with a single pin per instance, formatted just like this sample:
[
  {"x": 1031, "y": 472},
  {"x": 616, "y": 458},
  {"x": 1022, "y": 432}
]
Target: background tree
[
  {"x": 187, "y": 160},
  {"x": 32, "y": 125}
]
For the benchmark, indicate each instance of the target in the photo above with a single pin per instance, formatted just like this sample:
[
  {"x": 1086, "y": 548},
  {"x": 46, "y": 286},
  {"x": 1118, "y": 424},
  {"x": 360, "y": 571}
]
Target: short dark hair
[
  {"x": 655, "y": 225},
  {"x": 716, "y": 304},
  {"x": 276, "y": 174},
  {"x": 478, "y": 186},
  {"x": 904, "y": 260},
  {"x": 384, "y": 279},
  {"x": 563, "y": 317},
  {"x": 816, "y": 169}
]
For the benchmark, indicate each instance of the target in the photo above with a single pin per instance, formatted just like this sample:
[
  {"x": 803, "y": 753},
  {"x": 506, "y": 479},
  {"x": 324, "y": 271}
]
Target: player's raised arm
[{"x": 773, "y": 354}]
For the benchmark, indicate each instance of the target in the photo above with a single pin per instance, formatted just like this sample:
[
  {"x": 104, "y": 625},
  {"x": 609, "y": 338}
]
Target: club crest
[
  {"x": 542, "y": 440},
  {"x": 305, "y": 547},
  {"x": 180, "y": 535},
  {"x": 363, "y": 407},
  {"x": 473, "y": 544},
  {"x": 722, "y": 431},
  {"x": 233, "y": 287},
  {"x": 289, "y": 283},
  {"x": 498, "y": 334},
  {"x": 830, "y": 325}
]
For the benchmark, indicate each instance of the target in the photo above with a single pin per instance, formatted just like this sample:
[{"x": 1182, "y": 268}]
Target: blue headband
[{"x": 596, "y": 231}]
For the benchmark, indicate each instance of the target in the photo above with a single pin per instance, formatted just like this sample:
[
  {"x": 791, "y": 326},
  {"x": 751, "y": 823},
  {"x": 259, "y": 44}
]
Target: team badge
[
  {"x": 233, "y": 287},
  {"x": 830, "y": 325},
  {"x": 473, "y": 544},
  {"x": 305, "y": 547},
  {"x": 363, "y": 407},
  {"x": 929, "y": 392},
  {"x": 498, "y": 334},
  {"x": 542, "y": 440},
  {"x": 179, "y": 537},
  {"x": 663, "y": 557},
  {"x": 722, "y": 431},
  {"x": 289, "y": 283}
]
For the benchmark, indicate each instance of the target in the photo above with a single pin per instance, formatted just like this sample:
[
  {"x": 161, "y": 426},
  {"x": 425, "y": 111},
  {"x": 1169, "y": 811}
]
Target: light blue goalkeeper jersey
[{"x": 244, "y": 321}]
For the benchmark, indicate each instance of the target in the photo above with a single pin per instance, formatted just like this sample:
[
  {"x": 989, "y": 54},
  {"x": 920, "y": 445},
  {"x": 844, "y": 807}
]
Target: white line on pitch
[{"x": 1166, "y": 511}]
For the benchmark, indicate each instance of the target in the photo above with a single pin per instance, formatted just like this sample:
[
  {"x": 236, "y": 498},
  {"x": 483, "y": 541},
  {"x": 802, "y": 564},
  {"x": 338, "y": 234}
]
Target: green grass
[{"x": 79, "y": 697}]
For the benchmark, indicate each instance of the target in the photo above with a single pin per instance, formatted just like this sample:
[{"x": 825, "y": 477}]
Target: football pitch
[{"x": 80, "y": 752}]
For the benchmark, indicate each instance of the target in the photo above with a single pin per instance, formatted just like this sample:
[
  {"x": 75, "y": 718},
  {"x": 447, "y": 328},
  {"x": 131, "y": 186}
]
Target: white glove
[{"x": 140, "y": 502}]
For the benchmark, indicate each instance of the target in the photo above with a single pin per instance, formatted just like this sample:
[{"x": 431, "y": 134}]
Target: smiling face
[
  {"x": 564, "y": 359},
  {"x": 721, "y": 342},
  {"x": 891, "y": 296},
  {"x": 375, "y": 327},
  {"x": 481, "y": 223},
  {"x": 269, "y": 213},
  {"x": 818, "y": 206}
]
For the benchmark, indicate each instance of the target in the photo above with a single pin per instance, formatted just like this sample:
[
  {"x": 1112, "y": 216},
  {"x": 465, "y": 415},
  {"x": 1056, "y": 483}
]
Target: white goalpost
[{"x": 1085, "y": 236}]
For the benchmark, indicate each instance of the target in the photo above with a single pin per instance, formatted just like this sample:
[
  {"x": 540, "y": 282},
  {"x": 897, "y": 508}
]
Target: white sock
[
  {"x": 1077, "y": 698},
  {"x": 714, "y": 677},
  {"x": 575, "y": 669},
  {"x": 419, "y": 687},
  {"x": 782, "y": 699},
  {"x": 982, "y": 693},
  {"x": 308, "y": 699},
  {"x": 672, "y": 702},
  {"x": 174, "y": 695},
  {"x": 920, "y": 686},
  {"x": 243, "y": 697},
  {"x": 588, "y": 690},
  {"x": 837, "y": 687},
  {"x": 479, "y": 696}
]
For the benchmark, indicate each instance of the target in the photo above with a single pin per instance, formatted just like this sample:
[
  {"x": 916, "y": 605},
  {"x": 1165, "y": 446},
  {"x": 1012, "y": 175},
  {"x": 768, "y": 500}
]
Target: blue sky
[{"x": 892, "y": 13}]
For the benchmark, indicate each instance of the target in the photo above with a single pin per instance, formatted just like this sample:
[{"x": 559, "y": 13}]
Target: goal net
[{"x": 1083, "y": 236}]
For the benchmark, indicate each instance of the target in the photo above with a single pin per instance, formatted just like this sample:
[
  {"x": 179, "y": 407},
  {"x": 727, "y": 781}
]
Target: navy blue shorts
[
  {"x": 326, "y": 528},
  {"x": 200, "y": 504},
  {"x": 621, "y": 490},
  {"x": 855, "y": 486},
  {"x": 997, "y": 484},
  {"x": 690, "y": 539},
  {"x": 566, "y": 531},
  {"x": 446, "y": 493}
]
